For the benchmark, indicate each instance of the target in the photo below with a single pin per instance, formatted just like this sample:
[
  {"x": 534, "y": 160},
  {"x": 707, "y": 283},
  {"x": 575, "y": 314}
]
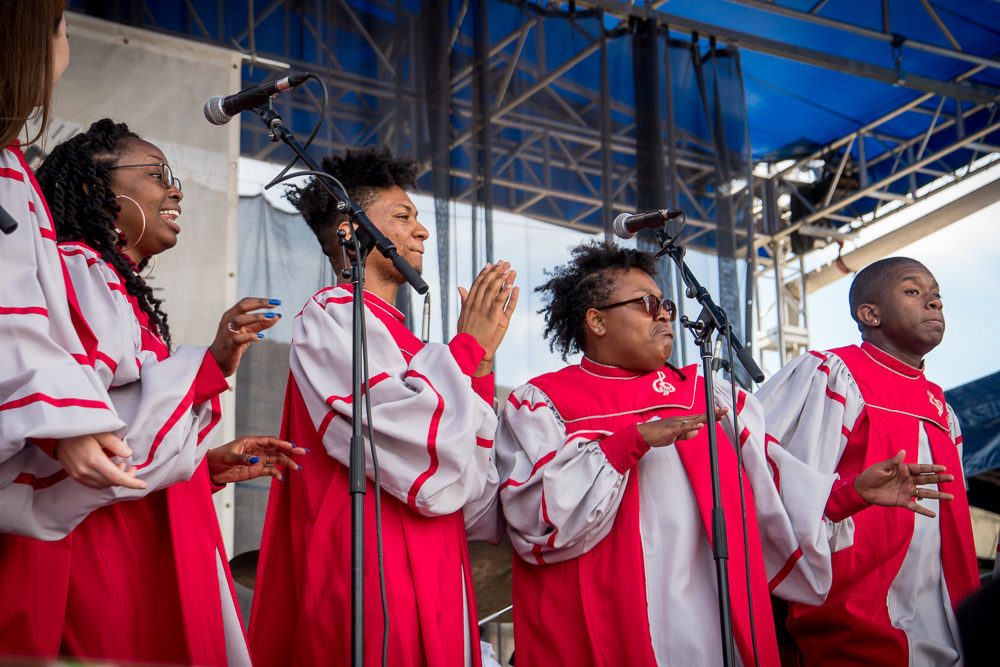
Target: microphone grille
[
  {"x": 619, "y": 226},
  {"x": 214, "y": 112}
]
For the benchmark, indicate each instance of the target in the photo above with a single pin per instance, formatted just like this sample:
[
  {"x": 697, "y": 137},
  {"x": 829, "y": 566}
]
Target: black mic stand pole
[
  {"x": 368, "y": 237},
  {"x": 712, "y": 319}
]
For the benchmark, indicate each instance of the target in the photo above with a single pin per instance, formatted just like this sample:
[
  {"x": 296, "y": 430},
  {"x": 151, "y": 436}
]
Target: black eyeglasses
[
  {"x": 166, "y": 176},
  {"x": 651, "y": 303}
]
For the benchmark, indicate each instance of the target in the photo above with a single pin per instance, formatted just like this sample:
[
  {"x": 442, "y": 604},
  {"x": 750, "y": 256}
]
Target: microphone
[
  {"x": 220, "y": 110},
  {"x": 427, "y": 318},
  {"x": 628, "y": 225}
]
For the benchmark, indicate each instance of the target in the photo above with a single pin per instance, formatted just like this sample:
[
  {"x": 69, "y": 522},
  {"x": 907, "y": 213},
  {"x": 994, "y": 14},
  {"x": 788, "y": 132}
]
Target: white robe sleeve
[
  {"x": 810, "y": 408},
  {"x": 433, "y": 433},
  {"x": 45, "y": 394},
  {"x": 560, "y": 492},
  {"x": 795, "y": 544},
  {"x": 170, "y": 407}
]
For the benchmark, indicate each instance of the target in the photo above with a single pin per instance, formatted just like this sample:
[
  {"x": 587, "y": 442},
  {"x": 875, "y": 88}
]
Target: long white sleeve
[
  {"x": 794, "y": 539},
  {"x": 171, "y": 407},
  {"x": 45, "y": 393},
  {"x": 433, "y": 433},
  {"x": 810, "y": 408},
  {"x": 561, "y": 492}
]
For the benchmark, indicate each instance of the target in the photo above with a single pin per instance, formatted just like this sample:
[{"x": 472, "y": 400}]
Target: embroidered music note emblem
[
  {"x": 661, "y": 385},
  {"x": 936, "y": 403}
]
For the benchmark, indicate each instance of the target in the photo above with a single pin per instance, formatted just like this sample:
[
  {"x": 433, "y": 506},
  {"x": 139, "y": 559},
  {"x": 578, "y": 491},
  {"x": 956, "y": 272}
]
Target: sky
[{"x": 964, "y": 257}]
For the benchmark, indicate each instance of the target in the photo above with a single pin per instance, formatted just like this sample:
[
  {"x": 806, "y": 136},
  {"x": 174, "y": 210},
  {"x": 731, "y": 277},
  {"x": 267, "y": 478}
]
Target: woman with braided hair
[
  {"x": 155, "y": 565},
  {"x": 57, "y": 419}
]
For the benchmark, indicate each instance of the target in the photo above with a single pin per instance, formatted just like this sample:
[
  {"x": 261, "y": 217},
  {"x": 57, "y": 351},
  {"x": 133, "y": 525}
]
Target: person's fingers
[
  {"x": 720, "y": 412},
  {"x": 690, "y": 433},
  {"x": 898, "y": 458},
  {"x": 692, "y": 420},
  {"x": 933, "y": 478},
  {"x": 463, "y": 294},
  {"x": 115, "y": 445},
  {"x": 915, "y": 507},
  {"x": 256, "y": 322},
  {"x": 472, "y": 297},
  {"x": 106, "y": 474},
  {"x": 490, "y": 284},
  {"x": 249, "y": 303},
  {"x": 282, "y": 460},
  {"x": 924, "y": 468},
  {"x": 512, "y": 301},
  {"x": 501, "y": 293},
  {"x": 932, "y": 494}
]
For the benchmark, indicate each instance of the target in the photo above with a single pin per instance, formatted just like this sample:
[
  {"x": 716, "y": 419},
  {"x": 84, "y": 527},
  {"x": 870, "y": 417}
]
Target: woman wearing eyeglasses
[
  {"x": 606, "y": 489},
  {"x": 145, "y": 580}
]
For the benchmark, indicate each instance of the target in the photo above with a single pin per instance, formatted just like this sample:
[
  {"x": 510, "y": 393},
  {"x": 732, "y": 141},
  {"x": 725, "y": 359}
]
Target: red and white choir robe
[
  {"x": 45, "y": 392},
  {"x": 145, "y": 580},
  {"x": 897, "y": 575},
  {"x": 614, "y": 563},
  {"x": 433, "y": 427}
]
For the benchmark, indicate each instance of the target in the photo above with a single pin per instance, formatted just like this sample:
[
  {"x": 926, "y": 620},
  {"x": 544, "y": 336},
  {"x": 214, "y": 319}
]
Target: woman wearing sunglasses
[
  {"x": 605, "y": 483},
  {"x": 145, "y": 580}
]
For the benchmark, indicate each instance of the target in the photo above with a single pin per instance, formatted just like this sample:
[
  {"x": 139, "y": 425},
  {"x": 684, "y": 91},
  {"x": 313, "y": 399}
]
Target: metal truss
[
  {"x": 550, "y": 159},
  {"x": 554, "y": 156},
  {"x": 853, "y": 191}
]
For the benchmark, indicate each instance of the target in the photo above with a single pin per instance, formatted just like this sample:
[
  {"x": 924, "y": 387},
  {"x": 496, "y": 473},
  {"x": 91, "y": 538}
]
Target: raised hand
[
  {"x": 238, "y": 328},
  {"x": 663, "y": 432},
  {"x": 251, "y": 456},
  {"x": 87, "y": 459},
  {"x": 486, "y": 309},
  {"x": 892, "y": 483}
]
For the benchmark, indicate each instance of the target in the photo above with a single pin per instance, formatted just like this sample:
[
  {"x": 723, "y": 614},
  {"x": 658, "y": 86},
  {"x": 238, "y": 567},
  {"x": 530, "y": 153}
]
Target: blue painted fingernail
[
  {"x": 274, "y": 302},
  {"x": 254, "y": 459},
  {"x": 260, "y": 335},
  {"x": 269, "y": 315},
  {"x": 307, "y": 451}
]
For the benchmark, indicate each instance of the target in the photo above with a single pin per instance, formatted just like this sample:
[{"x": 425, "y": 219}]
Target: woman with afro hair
[
  {"x": 605, "y": 486},
  {"x": 145, "y": 580}
]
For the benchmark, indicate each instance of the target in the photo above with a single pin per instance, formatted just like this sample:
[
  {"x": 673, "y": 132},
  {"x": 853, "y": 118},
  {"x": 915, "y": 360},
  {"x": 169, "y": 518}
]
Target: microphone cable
[{"x": 739, "y": 476}]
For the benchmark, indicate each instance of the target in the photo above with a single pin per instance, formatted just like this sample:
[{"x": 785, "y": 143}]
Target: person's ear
[
  {"x": 868, "y": 315},
  {"x": 595, "y": 322},
  {"x": 346, "y": 226}
]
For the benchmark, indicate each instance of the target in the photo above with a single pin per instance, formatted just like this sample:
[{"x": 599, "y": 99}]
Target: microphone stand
[
  {"x": 368, "y": 237},
  {"x": 711, "y": 319}
]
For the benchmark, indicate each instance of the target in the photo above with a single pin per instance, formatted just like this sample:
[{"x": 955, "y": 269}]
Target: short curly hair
[
  {"x": 363, "y": 172},
  {"x": 586, "y": 281}
]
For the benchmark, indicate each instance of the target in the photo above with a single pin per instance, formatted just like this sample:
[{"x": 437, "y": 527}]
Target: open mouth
[{"x": 170, "y": 215}]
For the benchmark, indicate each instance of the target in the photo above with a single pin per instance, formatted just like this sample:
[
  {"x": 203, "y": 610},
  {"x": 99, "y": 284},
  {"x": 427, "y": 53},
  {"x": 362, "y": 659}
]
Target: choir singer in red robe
[
  {"x": 607, "y": 492},
  {"x": 897, "y": 575}
]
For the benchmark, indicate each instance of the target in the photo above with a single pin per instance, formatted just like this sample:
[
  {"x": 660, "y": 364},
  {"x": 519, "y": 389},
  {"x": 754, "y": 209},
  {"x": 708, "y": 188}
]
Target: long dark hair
[
  {"x": 76, "y": 181},
  {"x": 27, "y": 65}
]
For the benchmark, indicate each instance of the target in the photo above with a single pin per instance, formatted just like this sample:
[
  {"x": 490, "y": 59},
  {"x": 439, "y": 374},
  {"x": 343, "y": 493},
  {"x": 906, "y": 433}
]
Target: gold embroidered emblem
[
  {"x": 661, "y": 385},
  {"x": 936, "y": 403}
]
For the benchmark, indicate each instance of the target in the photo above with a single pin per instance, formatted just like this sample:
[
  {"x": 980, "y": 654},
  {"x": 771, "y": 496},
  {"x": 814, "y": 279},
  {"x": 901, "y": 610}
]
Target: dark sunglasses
[
  {"x": 652, "y": 305},
  {"x": 166, "y": 176}
]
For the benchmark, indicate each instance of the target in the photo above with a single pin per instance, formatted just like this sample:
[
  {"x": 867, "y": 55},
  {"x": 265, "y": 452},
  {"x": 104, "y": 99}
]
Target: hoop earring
[
  {"x": 141, "y": 231},
  {"x": 149, "y": 271}
]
